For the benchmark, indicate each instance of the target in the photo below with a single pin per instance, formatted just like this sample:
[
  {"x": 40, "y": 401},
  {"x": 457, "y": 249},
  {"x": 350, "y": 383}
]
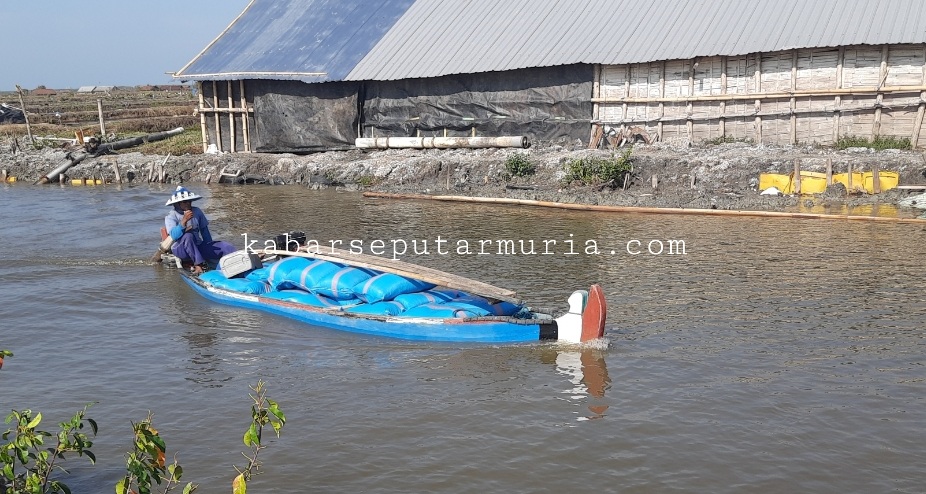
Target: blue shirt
[{"x": 199, "y": 225}]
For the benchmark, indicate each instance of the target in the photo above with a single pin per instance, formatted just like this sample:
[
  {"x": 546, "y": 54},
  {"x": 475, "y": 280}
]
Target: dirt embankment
[{"x": 722, "y": 176}]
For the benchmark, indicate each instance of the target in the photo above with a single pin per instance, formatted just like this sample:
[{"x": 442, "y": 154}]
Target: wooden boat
[{"x": 584, "y": 320}]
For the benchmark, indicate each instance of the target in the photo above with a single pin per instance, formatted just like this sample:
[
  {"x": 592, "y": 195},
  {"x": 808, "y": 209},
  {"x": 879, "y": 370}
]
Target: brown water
[{"x": 775, "y": 356}]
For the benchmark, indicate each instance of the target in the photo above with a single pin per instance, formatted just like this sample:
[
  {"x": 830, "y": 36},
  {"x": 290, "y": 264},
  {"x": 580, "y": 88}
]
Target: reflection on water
[{"x": 777, "y": 354}]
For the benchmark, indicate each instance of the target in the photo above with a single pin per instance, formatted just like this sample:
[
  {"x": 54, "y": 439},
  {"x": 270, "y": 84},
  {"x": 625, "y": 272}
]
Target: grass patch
[
  {"x": 519, "y": 165},
  {"x": 595, "y": 171},
  {"x": 879, "y": 143}
]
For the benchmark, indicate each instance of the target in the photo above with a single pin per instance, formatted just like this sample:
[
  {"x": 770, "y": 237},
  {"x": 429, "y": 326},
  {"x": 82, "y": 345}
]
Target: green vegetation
[
  {"x": 878, "y": 143},
  {"x": 28, "y": 465},
  {"x": 519, "y": 165},
  {"x": 146, "y": 464},
  {"x": 595, "y": 171},
  {"x": 726, "y": 140}
]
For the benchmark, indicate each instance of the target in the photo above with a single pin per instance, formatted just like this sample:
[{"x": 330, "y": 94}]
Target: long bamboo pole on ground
[
  {"x": 644, "y": 210},
  {"x": 22, "y": 103}
]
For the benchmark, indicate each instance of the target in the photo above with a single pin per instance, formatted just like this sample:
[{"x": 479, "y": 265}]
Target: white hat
[{"x": 182, "y": 194}]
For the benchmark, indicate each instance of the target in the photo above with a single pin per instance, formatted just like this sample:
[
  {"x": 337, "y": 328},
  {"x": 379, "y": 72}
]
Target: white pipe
[{"x": 442, "y": 142}]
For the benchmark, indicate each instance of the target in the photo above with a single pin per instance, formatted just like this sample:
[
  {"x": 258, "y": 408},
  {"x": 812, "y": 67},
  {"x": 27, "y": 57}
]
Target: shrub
[
  {"x": 879, "y": 142},
  {"x": 592, "y": 171},
  {"x": 519, "y": 165}
]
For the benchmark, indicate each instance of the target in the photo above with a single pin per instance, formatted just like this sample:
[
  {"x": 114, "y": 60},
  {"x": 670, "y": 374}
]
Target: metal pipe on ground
[{"x": 442, "y": 142}]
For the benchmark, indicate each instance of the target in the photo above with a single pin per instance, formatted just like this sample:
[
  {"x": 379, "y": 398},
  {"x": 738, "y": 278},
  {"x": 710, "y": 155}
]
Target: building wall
[{"x": 788, "y": 97}]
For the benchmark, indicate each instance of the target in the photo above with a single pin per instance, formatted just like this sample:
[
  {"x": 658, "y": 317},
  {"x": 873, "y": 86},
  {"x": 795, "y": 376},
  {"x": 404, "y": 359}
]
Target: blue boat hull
[{"x": 482, "y": 330}]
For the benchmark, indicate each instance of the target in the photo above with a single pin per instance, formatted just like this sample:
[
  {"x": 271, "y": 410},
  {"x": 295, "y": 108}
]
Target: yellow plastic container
[
  {"x": 858, "y": 182},
  {"x": 77, "y": 181},
  {"x": 11, "y": 180},
  {"x": 887, "y": 180},
  {"x": 777, "y": 180},
  {"x": 812, "y": 184}
]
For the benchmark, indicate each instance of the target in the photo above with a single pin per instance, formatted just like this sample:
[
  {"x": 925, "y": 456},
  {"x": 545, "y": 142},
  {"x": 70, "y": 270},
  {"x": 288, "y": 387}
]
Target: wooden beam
[
  {"x": 689, "y": 124},
  {"x": 918, "y": 122},
  {"x": 855, "y": 91},
  {"x": 596, "y": 93},
  {"x": 882, "y": 78},
  {"x": 626, "y": 92},
  {"x": 662, "y": 94}
]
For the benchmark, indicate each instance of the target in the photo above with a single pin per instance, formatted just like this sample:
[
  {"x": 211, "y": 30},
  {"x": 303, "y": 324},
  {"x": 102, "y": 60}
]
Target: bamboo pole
[
  {"x": 596, "y": 93},
  {"x": 218, "y": 126},
  {"x": 245, "y": 123},
  {"x": 840, "y": 62},
  {"x": 918, "y": 122},
  {"x": 99, "y": 109},
  {"x": 879, "y": 99},
  {"x": 793, "y": 101},
  {"x": 723, "y": 91},
  {"x": 758, "y": 102},
  {"x": 797, "y": 176},
  {"x": 626, "y": 93},
  {"x": 689, "y": 124},
  {"x": 643, "y": 210},
  {"x": 22, "y": 103},
  {"x": 829, "y": 171},
  {"x": 662, "y": 94},
  {"x": 231, "y": 122},
  {"x": 202, "y": 116}
]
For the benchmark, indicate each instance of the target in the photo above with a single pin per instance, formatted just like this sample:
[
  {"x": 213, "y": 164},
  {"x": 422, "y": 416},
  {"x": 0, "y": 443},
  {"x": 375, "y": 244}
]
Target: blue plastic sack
[
  {"x": 340, "y": 283},
  {"x": 304, "y": 297},
  {"x": 260, "y": 274},
  {"x": 412, "y": 300},
  {"x": 280, "y": 269},
  {"x": 392, "y": 308},
  {"x": 388, "y": 286},
  {"x": 446, "y": 310},
  {"x": 506, "y": 309},
  {"x": 218, "y": 280},
  {"x": 309, "y": 277}
]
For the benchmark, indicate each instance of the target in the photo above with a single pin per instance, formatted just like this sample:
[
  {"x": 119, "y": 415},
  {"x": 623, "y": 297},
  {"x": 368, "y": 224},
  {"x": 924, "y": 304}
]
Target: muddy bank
[{"x": 721, "y": 176}]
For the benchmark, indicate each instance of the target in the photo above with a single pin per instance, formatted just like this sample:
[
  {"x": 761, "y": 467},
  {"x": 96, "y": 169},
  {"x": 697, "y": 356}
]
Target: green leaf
[
  {"x": 93, "y": 426},
  {"x": 90, "y": 455},
  {"x": 35, "y": 422},
  {"x": 239, "y": 486},
  {"x": 250, "y": 437},
  {"x": 122, "y": 486},
  {"x": 189, "y": 488}
]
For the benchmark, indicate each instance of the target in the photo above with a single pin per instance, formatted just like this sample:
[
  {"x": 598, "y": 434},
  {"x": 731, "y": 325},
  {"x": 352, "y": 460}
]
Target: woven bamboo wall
[{"x": 790, "y": 97}]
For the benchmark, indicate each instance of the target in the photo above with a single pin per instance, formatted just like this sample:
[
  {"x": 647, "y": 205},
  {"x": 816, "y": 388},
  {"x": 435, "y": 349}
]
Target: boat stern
[{"x": 588, "y": 312}]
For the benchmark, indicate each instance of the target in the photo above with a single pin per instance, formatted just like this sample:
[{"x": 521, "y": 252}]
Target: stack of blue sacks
[{"x": 327, "y": 284}]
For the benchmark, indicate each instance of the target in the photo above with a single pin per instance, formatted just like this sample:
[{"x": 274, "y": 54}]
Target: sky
[{"x": 60, "y": 44}]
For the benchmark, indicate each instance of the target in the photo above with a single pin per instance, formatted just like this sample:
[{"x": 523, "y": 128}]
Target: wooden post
[
  {"x": 596, "y": 93},
  {"x": 231, "y": 122},
  {"x": 793, "y": 125},
  {"x": 689, "y": 124},
  {"x": 918, "y": 123},
  {"x": 882, "y": 78},
  {"x": 245, "y": 123},
  {"x": 215, "y": 109},
  {"x": 875, "y": 179},
  {"x": 99, "y": 109},
  {"x": 723, "y": 104},
  {"x": 3, "y": 175},
  {"x": 829, "y": 171},
  {"x": 662, "y": 94},
  {"x": 797, "y": 176},
  {"x": 758, "y": 89},
  {"x": 22, "y": 103},
  {"x": 626, "y": 92},
  {"x": 116, "y": 171},
  {"x": 851, "y": 185},
  {"x": 202, "y": 115},
  {"x": 840, "y": 61}
]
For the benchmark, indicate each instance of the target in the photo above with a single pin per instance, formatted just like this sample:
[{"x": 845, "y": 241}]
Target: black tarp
[
  {"x": 296, "y": 117},
  {"x": 545, "y": 103},
  {"x": 11, "y": 115}
]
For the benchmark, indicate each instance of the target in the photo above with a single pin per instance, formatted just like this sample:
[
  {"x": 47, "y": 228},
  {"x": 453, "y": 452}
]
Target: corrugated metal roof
[
  {"x": 318, "y": 40},
  {"x": 437, "y": 37},
  {"x": 310, "y": 40}
]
